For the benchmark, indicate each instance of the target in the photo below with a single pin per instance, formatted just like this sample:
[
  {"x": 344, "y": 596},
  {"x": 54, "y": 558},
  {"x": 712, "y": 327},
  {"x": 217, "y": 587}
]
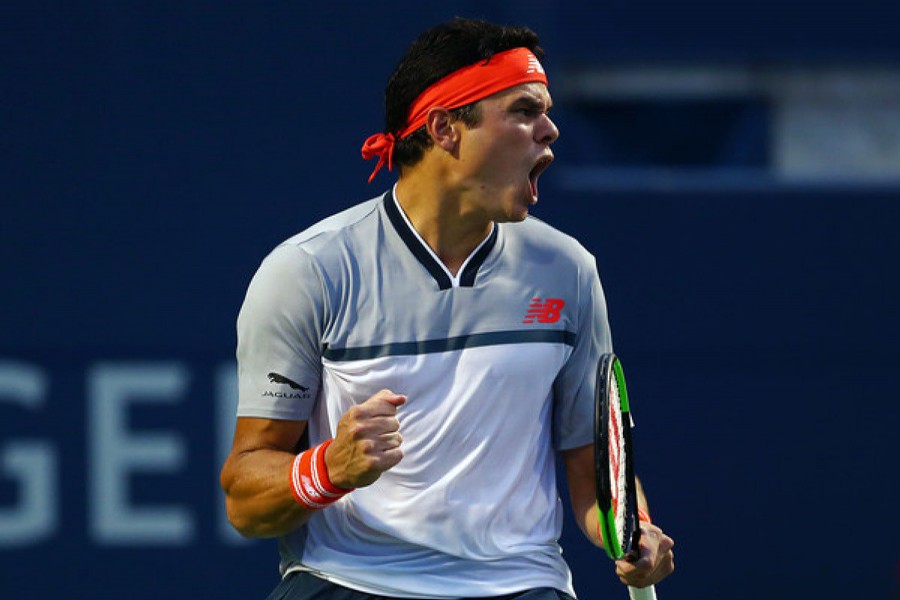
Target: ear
[{"x": 442, "y": 128}]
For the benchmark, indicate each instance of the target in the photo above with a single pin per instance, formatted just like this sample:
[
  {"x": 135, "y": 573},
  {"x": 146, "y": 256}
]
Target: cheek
[
  {"x": 496, "y": 157},
  {"x": 505, "y": 157}
]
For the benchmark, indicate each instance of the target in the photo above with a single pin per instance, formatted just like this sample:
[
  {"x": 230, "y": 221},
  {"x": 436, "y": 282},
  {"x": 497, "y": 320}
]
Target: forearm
[
  {"x": 582, "y": 492},
  {"x": 588, "y": 520},
  {"x": 588, "y": 516},
  {"x": 261, "y": 477},
  {"x": 641, "y": 497},
  {"x": 258, "y": 496}
]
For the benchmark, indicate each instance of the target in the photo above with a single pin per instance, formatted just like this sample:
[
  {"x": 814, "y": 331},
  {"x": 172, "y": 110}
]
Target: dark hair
[{"x": 435, "y": 54}]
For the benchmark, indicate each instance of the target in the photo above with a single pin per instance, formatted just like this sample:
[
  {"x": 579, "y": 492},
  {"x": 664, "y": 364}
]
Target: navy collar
[{"x": 424, "y": 256}]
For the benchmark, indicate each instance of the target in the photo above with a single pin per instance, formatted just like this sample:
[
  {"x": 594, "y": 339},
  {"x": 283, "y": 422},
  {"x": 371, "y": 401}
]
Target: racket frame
[{"x": 610, "y": 370}]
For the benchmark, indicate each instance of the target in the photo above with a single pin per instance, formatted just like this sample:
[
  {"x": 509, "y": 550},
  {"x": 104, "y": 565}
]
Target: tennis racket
[{"x": 614, "y": 464}]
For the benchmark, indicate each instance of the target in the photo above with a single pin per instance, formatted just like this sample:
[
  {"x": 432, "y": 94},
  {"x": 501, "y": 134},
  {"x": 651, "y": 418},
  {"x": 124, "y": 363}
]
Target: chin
[
  {"x": 520, "y": 215},
  {"x": 513, "y": 207},
  {"x": 515, "y": 215}
]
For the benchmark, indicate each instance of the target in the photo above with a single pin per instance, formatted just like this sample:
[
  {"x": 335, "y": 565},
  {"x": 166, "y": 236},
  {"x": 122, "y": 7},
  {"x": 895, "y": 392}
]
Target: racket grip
[{"x": 647, "y": 593}]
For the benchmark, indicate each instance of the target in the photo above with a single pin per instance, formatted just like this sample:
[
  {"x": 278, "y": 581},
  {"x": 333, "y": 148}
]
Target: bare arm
[
  {"x": 579, "y": 463},
  {"x": 255, "y": 478},
  {"x": 256, "y": 474},
  {"x": 656, "y": 560}
]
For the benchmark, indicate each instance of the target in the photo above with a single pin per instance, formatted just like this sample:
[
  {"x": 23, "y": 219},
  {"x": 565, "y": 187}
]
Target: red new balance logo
[{"x": 544, "y": 311}]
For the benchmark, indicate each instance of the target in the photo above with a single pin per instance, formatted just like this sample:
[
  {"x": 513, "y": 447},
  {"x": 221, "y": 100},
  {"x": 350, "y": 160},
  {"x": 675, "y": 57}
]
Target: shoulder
[
  {"x": 315, "y": 250},
  {"x": 338, "y": 226},
  {"x": 541, "y": 240}
]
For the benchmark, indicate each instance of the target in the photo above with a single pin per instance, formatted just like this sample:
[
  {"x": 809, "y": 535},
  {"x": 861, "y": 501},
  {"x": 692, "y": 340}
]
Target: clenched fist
[
  {"x": 367, "y": 442},
  {"x": 650, "y": 563}
]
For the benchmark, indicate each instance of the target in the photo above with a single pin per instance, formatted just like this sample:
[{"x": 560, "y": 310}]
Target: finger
[
  {"x": 378, "y": 444},
  {"x": 643, "y": 558},
  {"x": 395, "y": 399},
  {"x": 665, "y": 543},
  {"x": 659, "y": 545},
  {"x": 643, "y": 569},
  {"x": 382, "y": 403},
  {"x": 633, "y": 577},
  {"x": 382, "y": 425},
  {"x": 383, "y": 453},
  {"x": 626, "y": 568},
  {"x": 663, "y": 569},
  {"x": 391, "y": 440},
  {"x": 390, "y": 458},
  {"x": 642, "y": 574},
  {"x": 389, "y": 397},
  {"x": 634, "y": 565},
  {"x": 386, "y": 442},
  {"x": 630, "y": 579}
]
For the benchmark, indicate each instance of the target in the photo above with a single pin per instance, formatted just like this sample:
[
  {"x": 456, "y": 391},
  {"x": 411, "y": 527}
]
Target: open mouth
[{"x": 539, "y": 167}]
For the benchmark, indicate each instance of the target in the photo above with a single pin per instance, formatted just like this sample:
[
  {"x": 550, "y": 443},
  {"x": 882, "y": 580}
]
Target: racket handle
[{"x": 647, "y": 593}]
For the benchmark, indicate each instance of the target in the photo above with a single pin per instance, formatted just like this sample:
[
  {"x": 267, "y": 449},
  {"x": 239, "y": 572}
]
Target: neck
[{"x": 440, "y": 217}]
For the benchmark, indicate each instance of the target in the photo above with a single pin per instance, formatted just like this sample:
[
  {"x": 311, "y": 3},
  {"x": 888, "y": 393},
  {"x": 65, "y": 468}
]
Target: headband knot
[
  {"x": 382, "y": 146},
  {"x": 462, "y": 87}
]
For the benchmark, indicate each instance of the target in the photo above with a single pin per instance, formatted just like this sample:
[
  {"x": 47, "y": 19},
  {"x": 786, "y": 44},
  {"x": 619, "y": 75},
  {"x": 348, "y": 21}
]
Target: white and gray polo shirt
[{"x": 498, "y": 368}]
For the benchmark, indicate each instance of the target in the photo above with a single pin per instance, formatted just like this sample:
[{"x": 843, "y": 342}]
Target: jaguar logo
[{"x": 279, "y": 378}]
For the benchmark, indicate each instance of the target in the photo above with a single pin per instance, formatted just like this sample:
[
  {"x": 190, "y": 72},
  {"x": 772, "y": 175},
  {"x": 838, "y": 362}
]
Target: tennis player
[{"x": 410, "y": 367}]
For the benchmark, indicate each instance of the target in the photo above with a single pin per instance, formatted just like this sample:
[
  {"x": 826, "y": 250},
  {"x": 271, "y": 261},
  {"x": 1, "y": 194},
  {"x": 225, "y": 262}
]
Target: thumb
[
  {"x": 396, "y": 399},
  {"x": 390, "y": 397}
]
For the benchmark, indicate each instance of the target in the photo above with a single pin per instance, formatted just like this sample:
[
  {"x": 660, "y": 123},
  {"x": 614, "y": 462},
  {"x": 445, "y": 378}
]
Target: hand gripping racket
[{"x": 614, "y": 464}]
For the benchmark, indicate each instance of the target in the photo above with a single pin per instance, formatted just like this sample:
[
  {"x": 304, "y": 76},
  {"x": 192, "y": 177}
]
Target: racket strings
[{"x": 617, "y": 462}]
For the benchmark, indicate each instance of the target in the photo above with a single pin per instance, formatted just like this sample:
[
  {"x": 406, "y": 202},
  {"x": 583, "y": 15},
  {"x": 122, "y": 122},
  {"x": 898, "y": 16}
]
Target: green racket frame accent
[
  {"x": 608, "y": 533},
  {"x": 620, "y": 381},
  {"x": 616, "y": 549}
]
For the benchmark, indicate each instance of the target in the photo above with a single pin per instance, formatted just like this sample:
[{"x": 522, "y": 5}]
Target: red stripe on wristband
[{"x": 310, "y": 484}]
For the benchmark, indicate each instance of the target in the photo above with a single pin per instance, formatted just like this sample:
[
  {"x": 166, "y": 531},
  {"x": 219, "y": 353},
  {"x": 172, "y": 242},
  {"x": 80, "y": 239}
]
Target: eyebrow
[{"x": 532, "y": 103}]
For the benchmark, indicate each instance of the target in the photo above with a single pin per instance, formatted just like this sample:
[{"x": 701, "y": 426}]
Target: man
[{"x": 437, "y": 347}]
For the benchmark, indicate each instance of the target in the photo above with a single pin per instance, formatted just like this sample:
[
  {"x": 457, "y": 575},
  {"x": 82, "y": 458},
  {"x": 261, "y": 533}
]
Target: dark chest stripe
[{"x": 474, "y": 340}]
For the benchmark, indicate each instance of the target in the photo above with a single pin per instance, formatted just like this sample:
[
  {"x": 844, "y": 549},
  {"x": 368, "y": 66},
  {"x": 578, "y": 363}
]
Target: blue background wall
[{"x": 152, "y": 154}]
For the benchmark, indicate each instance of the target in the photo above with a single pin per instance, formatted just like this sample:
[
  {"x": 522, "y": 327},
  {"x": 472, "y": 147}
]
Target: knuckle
[{"x": 392, "y": 458}]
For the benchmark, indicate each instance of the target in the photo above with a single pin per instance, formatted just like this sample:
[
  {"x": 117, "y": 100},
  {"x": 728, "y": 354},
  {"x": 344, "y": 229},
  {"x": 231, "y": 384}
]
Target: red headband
[{"x": 469, "y": 84}]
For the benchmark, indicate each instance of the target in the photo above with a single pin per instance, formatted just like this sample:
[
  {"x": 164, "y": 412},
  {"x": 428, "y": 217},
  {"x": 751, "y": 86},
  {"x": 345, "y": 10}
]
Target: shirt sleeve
[
  {"x": 279, "y": 331},
  {"x": 573, "y": 389}
]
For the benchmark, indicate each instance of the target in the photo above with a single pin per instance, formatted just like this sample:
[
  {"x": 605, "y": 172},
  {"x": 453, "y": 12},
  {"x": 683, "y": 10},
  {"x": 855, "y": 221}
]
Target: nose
[{"x": 546, "y": 131}]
